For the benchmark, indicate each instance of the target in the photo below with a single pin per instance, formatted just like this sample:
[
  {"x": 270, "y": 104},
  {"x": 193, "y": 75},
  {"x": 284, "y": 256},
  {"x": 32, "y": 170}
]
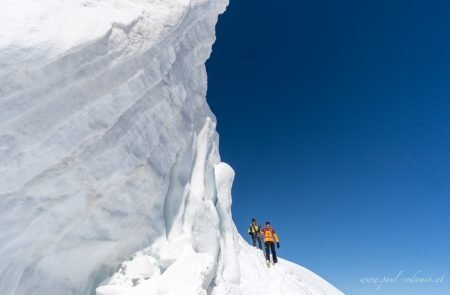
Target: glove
[{"x": 278, "y": 245}]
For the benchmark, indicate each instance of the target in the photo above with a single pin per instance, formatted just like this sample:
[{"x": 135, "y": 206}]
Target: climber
[
  {"x": 254, "y": 230},
  {"x": 270, "y": 237}
]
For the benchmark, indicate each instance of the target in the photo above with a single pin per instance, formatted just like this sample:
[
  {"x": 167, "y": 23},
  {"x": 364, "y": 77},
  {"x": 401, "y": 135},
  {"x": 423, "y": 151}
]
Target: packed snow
[{"x": 112, "y": 181}]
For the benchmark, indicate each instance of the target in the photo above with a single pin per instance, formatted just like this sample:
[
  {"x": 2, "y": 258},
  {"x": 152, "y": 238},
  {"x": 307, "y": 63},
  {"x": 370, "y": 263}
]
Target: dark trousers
[
  {"x": 270, "y": 246},
  {"x": 257, "y": 238}
]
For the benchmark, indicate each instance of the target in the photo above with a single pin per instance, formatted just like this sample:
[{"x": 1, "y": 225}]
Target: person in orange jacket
[{"x": 270, "y": 238}]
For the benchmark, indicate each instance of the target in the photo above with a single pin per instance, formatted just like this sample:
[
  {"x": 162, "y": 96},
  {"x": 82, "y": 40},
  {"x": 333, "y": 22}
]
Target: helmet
[
  {"x": 253, "y": 219},
  {"x": 267, "y": 222}
]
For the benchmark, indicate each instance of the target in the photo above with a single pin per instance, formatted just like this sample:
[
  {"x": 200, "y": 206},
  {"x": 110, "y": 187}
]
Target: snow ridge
[{"x": 111, "y": 176}]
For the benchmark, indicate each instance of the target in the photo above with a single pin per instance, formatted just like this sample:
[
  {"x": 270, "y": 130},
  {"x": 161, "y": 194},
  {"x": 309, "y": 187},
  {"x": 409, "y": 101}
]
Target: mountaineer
[
  {"x": 270, "y": 238},
  {"x": 254, "y": 230}
]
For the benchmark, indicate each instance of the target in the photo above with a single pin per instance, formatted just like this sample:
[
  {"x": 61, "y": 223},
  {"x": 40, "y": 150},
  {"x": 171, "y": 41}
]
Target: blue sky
[{"x": 336, "y": 118}]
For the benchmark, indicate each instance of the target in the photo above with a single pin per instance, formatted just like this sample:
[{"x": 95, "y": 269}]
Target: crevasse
[{"x": 111, "y": 180}]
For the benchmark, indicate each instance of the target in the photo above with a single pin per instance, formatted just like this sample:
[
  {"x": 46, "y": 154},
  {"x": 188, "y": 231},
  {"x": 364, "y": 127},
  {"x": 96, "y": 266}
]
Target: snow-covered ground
[
  {"x": 141, "y": 275},
  {"x": 111, "y": 179}
]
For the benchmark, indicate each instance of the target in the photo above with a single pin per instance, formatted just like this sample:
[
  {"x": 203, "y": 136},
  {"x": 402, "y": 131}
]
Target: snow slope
[{"x": 111, "y": 180}]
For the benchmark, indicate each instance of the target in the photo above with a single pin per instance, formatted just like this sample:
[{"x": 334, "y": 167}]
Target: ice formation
[{"x": 111, "y": 180}]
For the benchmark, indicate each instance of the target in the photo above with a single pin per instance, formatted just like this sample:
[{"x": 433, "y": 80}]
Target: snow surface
[{"x": 111, "y": 180}]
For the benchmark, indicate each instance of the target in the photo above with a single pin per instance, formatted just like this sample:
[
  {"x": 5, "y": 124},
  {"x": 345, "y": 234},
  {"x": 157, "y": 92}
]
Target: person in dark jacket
[{"x": 254, "y": 230}]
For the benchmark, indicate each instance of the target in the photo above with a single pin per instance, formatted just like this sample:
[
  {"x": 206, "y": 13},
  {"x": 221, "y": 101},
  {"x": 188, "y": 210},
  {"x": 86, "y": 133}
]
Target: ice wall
[{"x": 107, "y": 144}]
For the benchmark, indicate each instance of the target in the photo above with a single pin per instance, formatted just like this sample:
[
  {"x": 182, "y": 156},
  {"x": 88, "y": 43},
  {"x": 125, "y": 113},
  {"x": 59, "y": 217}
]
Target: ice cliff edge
[{"x": 109, "y": 162}]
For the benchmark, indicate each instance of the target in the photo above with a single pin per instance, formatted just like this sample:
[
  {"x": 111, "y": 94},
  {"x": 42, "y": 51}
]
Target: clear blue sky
[{"x": 335, "y": 116}]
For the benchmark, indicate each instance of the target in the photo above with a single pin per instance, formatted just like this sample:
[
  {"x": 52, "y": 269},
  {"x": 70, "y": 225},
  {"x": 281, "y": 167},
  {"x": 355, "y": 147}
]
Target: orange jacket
[{"x": 270, "y": 235}]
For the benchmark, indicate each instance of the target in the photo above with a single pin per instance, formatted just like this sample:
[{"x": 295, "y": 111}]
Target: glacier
[{"x": 111, "y": 178}]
